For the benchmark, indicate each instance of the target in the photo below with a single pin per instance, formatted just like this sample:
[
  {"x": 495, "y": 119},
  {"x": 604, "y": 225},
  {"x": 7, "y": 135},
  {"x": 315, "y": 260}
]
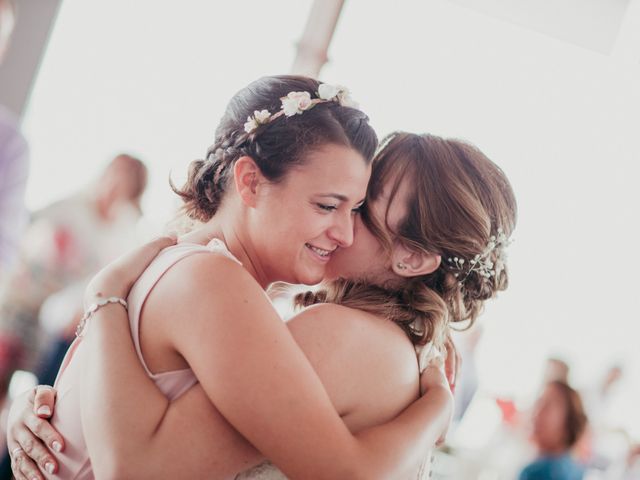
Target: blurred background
[{"x": 548, "y": 89}]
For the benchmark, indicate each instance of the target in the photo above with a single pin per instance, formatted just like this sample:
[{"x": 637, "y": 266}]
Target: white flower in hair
[
  {"x": 262, "y": 116},
  {"x": 481, "y": 263},
  {"x": 337, "y": 92},
  {"x": 296, "y": 102},
  {"x": 327, "y": 91},
  {"x": 250, "y": 125},
  {"x": 259, "y": 118},
  {"x": 344, "y": 98}
]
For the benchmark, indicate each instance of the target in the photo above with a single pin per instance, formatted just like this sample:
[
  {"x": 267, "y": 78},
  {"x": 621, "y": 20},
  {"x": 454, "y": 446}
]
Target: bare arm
[
  {"x": 130, "y": 427},
  {"x": 247, "y": 362},
  {"x": 381, "y": 379}
]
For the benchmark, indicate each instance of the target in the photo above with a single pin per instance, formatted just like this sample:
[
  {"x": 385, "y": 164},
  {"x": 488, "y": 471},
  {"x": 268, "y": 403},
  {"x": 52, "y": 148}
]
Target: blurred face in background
[
  {"x": 550, "y": 421},
  {"x": 122, "y": 183}
]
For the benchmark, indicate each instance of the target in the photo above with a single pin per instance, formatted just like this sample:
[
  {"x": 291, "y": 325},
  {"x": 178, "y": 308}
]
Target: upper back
[{"x": 366, "y": 363}]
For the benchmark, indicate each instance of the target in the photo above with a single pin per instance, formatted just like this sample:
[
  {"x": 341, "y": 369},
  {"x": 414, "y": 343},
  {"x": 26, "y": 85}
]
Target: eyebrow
[{"x": 338, "y": 196}]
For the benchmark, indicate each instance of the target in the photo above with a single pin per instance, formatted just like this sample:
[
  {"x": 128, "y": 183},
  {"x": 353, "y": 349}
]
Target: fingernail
[
  {"x": 49, "y": 467},
  {"x": 44, "y": 410},
  {"x": 57, "y": 446}
]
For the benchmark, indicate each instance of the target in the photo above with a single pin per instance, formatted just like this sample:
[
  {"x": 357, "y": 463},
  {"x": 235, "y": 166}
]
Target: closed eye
[
  {"x": 328, "y": 208},
  {"x": 358, "y": 209}
]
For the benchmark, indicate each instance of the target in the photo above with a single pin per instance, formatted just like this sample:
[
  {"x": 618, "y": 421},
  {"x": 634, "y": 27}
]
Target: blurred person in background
[
  {"x": 556, "y": 370},
  {"x": 65, "y": 243},
  {"x": 519, "y": 419},
  {"x": 14, "y": 169},
  {"x": 558, "y": 423},
  {"x": 605, "y": 445},
  {"x": 632, "y": 467},
  {"x": 14, "y": 163}
]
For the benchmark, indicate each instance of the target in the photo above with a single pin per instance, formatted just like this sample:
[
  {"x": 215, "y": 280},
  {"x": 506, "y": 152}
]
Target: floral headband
[
  {"x": 297, "y": 102},
  {"x": 481, "y": 263}
]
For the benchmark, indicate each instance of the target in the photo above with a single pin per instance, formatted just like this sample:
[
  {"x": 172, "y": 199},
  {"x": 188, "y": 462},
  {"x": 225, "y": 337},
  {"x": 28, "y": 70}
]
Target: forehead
[
  {"x": 391, "y": 205},
  {"x": 553, "y": 395},
  {"x": 335, "y": 167}
]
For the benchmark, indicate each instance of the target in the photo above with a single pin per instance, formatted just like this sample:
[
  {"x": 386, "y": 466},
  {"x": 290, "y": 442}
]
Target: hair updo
[
  {"x": 458, "y": 200},
  {"x": 277, "y": 146}
]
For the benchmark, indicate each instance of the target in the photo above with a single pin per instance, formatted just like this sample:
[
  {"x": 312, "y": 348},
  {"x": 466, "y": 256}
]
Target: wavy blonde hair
[{"x": 459, "y": 199}]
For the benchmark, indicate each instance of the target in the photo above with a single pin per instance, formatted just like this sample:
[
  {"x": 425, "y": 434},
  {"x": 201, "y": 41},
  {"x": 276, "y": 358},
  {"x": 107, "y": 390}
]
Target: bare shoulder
[
  {"x": 193, "y": 299},
  {"x": 359, "y": 357},
  {"x": 205, "y": 278},
  {"x": 380, "y": 338}
]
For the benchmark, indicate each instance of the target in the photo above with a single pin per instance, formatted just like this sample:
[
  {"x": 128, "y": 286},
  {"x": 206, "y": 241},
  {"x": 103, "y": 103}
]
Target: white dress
[{"x": 267, "y": 471}]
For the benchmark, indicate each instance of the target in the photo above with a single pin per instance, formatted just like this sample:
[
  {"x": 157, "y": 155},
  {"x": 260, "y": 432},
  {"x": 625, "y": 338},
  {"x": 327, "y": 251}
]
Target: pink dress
[{"x": 74, "y": 462}]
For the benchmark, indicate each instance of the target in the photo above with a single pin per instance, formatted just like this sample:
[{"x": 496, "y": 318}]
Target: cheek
[{"x": 364, "y": 241}]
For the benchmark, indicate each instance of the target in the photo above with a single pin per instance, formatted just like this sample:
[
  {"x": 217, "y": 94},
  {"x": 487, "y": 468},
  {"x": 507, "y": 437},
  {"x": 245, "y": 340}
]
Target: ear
[
  {"x": 410, "y": 263},
  {"x": 247, "y": 177}
]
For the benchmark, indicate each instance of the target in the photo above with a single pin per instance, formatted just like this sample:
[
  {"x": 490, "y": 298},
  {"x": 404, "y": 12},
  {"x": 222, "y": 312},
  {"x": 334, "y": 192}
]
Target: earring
[{"x": 401, "y": 266}]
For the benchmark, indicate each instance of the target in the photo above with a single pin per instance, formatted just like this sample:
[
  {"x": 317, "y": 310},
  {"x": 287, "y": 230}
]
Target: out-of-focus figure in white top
[{"x": 65, "y": 243}]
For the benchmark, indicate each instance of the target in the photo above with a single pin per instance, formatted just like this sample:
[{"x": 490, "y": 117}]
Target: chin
[
  {"x": 331, "y": 274},
  {"x": 310, "y": 278},
  {"x": 337, "y": 269}
]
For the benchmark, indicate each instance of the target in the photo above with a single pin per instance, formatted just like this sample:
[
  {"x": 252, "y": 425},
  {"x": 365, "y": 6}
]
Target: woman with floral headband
[
  {"x": 427, "y": 194},
  {"x": 277, "y": 195}
]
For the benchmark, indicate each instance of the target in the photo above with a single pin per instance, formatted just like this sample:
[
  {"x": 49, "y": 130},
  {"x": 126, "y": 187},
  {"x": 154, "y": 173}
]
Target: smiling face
[{"x": 302, "y": 222}]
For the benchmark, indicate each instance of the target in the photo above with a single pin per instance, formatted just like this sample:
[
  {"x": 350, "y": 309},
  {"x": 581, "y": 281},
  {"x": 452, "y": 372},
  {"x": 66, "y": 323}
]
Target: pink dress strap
[{"x": 173, "y": 383}]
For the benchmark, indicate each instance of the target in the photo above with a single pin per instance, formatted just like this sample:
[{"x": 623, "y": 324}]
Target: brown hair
[
  {"x": 459, "y": 199},
  {"x": 576, "y": 419},
  {"x": 277, "y": 146}
]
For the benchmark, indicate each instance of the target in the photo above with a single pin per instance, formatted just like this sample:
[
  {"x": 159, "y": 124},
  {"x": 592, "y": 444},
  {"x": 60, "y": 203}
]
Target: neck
[
  {"x": 553, "y": 451},
  {"x": 227, "y": 226}
]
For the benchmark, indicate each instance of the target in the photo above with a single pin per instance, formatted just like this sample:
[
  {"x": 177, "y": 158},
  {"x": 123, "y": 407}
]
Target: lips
[{"x": 320, "y": 252}]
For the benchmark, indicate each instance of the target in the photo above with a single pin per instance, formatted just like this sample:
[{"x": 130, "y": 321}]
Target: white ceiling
[{"x": 593, "y": 24}]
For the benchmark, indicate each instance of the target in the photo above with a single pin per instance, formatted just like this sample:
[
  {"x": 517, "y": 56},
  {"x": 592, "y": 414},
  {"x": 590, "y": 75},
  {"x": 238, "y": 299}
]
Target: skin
[
  {"x": 549, "y": 419},
  {"x": 367, "y": 259},
  {"x": 117, "y": 188},
  {"x": 307, "y": 444}
]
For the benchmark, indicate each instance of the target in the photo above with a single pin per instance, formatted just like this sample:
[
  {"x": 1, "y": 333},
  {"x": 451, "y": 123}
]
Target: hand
[
  {"x": 117, "y": 278},
  {"x": 433, "y": 378},
  {"x": 29, "y": 433},
  {"x": 452, "y": 363}
]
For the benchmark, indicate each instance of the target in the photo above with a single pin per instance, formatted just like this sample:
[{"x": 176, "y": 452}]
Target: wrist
[
  {"x": 439, "y": 395},
  {"x": 94, "y": 307},
  {"x": 440, "y": 398}
]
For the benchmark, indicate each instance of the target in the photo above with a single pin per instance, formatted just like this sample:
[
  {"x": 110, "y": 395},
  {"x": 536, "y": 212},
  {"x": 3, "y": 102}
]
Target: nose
[{"x": 341, "y": 231}]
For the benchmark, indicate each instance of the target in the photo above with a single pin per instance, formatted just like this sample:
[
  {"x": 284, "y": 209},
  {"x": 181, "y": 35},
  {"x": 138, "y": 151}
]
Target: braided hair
[{"x": 275, "y": 147}]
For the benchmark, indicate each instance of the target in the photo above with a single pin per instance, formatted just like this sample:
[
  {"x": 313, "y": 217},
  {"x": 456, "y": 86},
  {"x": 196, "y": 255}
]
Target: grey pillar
[{"x": 34, "y": 22}]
